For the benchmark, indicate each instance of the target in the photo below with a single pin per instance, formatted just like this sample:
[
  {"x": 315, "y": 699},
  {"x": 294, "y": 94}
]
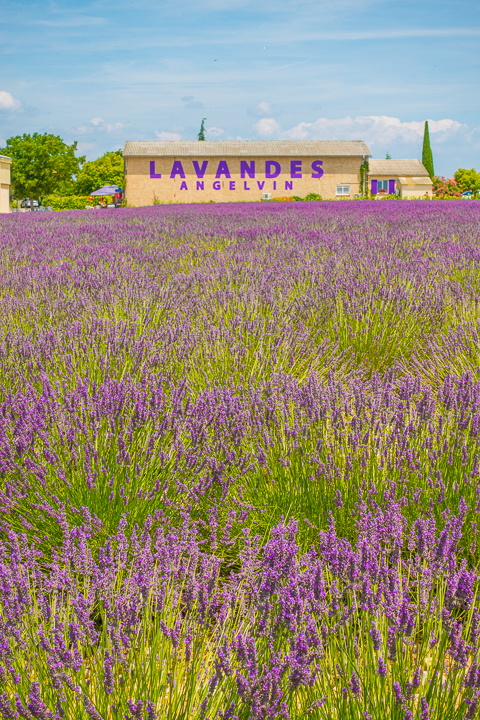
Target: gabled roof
[
  {"x": 415, "y": 180},
  {"x": 248, "y": 148},
  {"x": 406, "y": 168}
]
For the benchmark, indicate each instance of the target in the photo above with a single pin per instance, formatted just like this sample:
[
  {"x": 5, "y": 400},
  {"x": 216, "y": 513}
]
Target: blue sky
[{"x": 108, "y": 71}]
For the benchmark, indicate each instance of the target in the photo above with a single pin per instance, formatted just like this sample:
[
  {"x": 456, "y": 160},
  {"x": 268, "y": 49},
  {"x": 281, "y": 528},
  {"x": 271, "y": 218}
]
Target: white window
[
  {"x": 343, "y": 190},
  {"x": 382, "y": 185}
]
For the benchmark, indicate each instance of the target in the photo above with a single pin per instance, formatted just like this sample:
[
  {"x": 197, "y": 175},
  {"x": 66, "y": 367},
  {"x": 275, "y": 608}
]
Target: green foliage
[
  {"x": 310, "y": 196},
  {"x": 106, "y": 170},
  {"x": 468, "y": 180},
  {"x": 66, "y": 202},
  {"x": 364, "y": 169},
  {"x": 201, "y": 134},
  {"x": 41, "y": 165},
  {"x": 388, "y": 156},
  {"x": 427, "y": 157}
]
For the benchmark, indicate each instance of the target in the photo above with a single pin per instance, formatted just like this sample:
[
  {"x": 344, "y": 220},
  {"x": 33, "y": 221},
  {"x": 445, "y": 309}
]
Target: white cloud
[
  {"x": 97, "y": 121},
  {"x": 374, "y": 129},
  {"x": 115, "y": 126},
  {"x": 215, "y": 131},
  {"x": 8, "y": 102},
  {"x": 266, "y": 127},
  {"x": 85, "y": 146},
  {"x": 263, "y": 109},
  {"x": 167, "y": 135}
]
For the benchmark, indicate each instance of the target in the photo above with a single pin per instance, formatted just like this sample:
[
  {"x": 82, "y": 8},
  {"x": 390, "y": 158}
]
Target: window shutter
[
  {"x": 374, "y": 187},
  {"x": 391, "y": 187}
]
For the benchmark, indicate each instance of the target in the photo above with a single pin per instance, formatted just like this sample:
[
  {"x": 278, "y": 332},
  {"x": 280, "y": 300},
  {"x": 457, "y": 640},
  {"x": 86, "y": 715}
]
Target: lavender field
[{"x": 240, "y": 462}]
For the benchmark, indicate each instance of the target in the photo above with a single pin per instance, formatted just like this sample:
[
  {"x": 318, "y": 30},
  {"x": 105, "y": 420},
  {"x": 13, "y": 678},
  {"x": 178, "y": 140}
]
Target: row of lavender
[{"x": 239, "y": 461}]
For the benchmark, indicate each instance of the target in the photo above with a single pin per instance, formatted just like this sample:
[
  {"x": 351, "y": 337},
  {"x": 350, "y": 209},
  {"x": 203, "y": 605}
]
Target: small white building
[
  {"x": 407, "y": 178},
  {"x": 5, "y": 163}
]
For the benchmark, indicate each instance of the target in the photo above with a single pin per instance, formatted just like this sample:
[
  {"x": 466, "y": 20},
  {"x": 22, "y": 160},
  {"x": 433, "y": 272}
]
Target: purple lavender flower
[
  {"x": 136, "y": 709},
  {"x": 109, "y": 678},
  {"x": 376, "y": 637},
  {"x": 36, "y": 705},
  {"x": 90, "y": 709},
  {"x": 355, "y": 684},
  {"x": 472, "y": 707},
  {"x": 150, "y": 708},
  {"x": 392, "y": 644},
  {"x": 6, "y": 708},
  {"x": 398, "y": 692},
  {"x": 382, "y": 668},
  {"x": 424, "y": 709}
]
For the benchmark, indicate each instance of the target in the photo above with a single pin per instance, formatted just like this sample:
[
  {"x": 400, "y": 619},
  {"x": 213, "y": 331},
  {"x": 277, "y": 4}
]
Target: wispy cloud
[
  {"x": 215, "y": 132},
  {"x": 72, "y": 21},
  {"x": 391, "y": 33},
  {"x": 192, "y": 104},
  {"x": 167, "y": 135}
]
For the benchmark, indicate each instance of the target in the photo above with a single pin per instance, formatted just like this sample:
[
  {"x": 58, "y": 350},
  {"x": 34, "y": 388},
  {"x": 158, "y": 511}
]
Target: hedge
[{"x": 68, "y": 202}]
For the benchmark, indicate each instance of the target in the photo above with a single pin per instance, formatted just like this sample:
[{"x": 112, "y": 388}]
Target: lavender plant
[{"x": 239, "y": 462}]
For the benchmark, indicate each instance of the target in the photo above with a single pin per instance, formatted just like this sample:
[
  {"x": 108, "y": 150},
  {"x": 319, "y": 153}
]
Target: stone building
[
  {"x": 240, "y": 170},
  {"x": 407, "y": 178},
  {"x": 5, "y": 163}
]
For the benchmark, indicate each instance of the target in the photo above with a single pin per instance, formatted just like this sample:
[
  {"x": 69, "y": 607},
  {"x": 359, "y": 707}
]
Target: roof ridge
[{"x": 145, "y": 148}]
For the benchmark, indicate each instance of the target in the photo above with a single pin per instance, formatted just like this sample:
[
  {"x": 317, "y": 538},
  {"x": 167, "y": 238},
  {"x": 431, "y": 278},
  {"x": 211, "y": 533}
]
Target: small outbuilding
[
  {"x": 5, "y": 163},
  {"x": 407, "y": 178}
]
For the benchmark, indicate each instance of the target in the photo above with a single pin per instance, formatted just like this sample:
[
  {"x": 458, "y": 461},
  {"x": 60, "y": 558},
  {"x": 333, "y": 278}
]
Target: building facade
[
  {"x": 407, "y": 178},
  {"x": 5, "y": 163},
  {"x": 241, "y": 170}
]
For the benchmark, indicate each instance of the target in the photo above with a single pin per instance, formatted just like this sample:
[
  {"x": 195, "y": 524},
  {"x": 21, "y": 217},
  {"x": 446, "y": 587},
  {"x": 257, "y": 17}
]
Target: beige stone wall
[
  {"x": 410, "y": 191},
  {"x": 142, "y": 190},
  {"x": 4, "y": 185}
]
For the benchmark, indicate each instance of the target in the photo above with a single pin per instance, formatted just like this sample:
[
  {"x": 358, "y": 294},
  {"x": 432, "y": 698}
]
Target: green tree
[
  {"x": 105, "y": 170},
  {"x": 427, "y": 157},
  {"x": 201, "y": 134},
  {"x": 468, "y": 180},
  {"x": 41, "y": 165},
  {"x": 388, "y": 156}
]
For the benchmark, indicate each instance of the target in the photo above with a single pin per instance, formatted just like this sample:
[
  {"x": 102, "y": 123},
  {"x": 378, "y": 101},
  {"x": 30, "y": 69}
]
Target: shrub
[
  {"x": 70, "y": 202},
  {"x": 445, "y": 187},
  {"x": 310, "y": 196}
]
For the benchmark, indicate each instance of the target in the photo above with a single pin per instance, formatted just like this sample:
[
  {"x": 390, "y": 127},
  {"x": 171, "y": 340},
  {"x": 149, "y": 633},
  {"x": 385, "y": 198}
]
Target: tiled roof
[
  {"x": 406, "y": 168},
  {"x": 252, "y": 148},
  {"x": 415, "y": 180},
  {"x": 4, "y": 157}
]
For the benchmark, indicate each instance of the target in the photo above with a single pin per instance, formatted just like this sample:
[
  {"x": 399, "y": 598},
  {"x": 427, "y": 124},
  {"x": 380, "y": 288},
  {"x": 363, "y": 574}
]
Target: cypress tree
[
  {"x": 427, "y": 157},
  {"x": 201, "y": 134}
]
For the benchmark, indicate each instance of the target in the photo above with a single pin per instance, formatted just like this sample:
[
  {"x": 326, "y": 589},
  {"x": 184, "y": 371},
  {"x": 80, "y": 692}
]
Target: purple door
[
  {"x": 374, "y": 187},
  {"x": 391, "y": 187}
]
